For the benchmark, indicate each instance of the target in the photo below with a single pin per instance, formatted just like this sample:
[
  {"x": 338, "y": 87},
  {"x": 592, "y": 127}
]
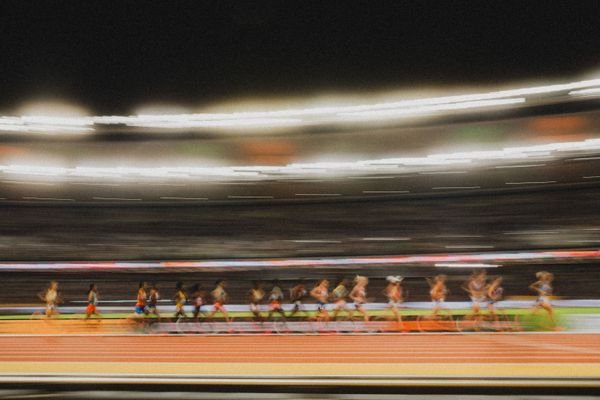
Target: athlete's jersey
[
  {"x": 360, "y": 294},
  {"x": 545, "y": 289},
  {"x": 477, "y": 290},
  {"x": 497, "y": 293},
  {"x": 394, "y": 294},
  {"x": 51, "y": 296},
  {"x": 256, "y": 295},
  {"x": 141, "y": 298},
  {"x": 276, "y": 294},
  {"x": 297, "y": 295},
  {"x": 153, "y": 298},
  {"x": 219, "y": 295},
  {"x": 93, "y": 298},
  {"x": 339, "y": 293},
  {"x": 180, "y": 299},
  {"x": 324, "y": 293},
  {"x": 438, "y": 293}
]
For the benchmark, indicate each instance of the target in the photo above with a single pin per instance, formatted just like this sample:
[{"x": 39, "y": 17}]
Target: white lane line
[
  {"x": 591, "y": 177},
  {"x": 442, "y": 172},
  {"x": 530, "y": 183},
  {"x": 519, "y": 166},
  {"x": 385, "y": 239},
  {"x": 458, "y": 236},
  {"x": 375, "y": 177},
  {"x": 455, "y": 187},
  {"x": 385, "y": 191},
  {"x": 46, "y": 198},
  {"x": 250, "y": 197},
  {"x": 467, "y": 246},
  {"x": 318, "y": 194},
  {"x": 183, "y": 198},
  {"x": 116, "y": 198}
]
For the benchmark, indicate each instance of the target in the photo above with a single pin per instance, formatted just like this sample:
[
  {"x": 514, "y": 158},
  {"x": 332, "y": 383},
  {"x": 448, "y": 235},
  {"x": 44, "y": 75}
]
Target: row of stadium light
[
  {"x": 480, "y": 260},
  {"x": 365, "y": 113},
  {"x": 335, "y": 169}
]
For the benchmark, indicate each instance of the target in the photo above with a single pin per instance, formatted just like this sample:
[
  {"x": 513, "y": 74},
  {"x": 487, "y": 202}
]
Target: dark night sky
[{"x": 112, "y": 56}]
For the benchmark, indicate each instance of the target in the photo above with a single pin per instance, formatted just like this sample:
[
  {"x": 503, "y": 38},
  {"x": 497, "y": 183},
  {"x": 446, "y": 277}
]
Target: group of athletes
[{"x": 347, "y": 297}]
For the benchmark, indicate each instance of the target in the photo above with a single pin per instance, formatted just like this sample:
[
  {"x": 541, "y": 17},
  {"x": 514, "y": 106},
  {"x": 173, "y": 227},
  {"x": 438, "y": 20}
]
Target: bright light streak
[
  {"x": 227, "y": 123},
  {"x": 586, "y": 92},
  {"x": 475, "y": 260},
  {"x": 467, "y": 265},
  {"x": 426, "y": 110},
  {"x": 377, "y": 112},
  {"x": 315, "y": 169}
]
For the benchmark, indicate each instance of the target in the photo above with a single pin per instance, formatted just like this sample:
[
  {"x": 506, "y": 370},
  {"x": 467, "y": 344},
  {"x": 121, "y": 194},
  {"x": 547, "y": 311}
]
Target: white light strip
[
  {"x": 425, "y": 110},
  {"x": 586, "y": 92},
  {"x": 349, "y": 168},
  {"x": 376, "y": 112},
  {"x": 423, "y": 259},
  {"x": 467, "y": 265}
]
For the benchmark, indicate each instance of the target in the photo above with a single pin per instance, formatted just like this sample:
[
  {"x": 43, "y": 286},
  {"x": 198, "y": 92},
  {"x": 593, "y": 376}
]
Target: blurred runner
[
  {"x": 275, "y": 299},
  {"x": 359, "y": 295},
  {"x": 338, "y": 296},
  {"x": 256, "y": 295},
  {"x": 52, "y": 298},
  {"x": 198, "y": 301},
  {"x": 92, "y": 298},
  {"x": 393, "y": 292},
  {"x": 219, "y": 296},
  {"x": 180, "y": 300},
  {"x": 494, "y": 292},
  {"x": 321, "y": 294},
  {"x": 438, "y": 293},
  {"x": 152, "y": 301},
  {"x": 297, "y": 294},
  {"x": 140, "y": 305},
  {"x": 476, "y": 287},
  {"x": 543, "y": 287}
]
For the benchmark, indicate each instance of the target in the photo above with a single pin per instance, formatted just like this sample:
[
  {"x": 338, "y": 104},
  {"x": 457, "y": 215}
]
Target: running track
[
  {"x": 543, "y": 359},
  {"x": 407, "y": 348}
]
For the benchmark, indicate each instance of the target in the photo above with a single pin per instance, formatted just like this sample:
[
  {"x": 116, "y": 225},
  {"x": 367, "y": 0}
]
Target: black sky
[{"x": 112, "y": 56}]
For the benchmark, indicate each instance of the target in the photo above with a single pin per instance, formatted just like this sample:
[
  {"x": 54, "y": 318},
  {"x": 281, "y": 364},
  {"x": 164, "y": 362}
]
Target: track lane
[{"x": 409, "y": 348}]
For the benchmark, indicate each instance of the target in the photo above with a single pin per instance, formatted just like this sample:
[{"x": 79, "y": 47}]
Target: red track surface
[{"x": 408, "y": 348}]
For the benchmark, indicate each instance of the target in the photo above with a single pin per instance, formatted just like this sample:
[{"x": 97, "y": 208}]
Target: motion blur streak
[
  {"x": 442, "y": 260},
  {"x": 388, "y": 165},
  {"x": 376, "y": 113},
  {"x": 180, "y": 394}
]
